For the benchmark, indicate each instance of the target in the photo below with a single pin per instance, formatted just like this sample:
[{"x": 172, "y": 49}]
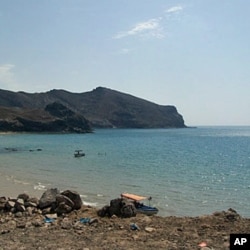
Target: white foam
[
  {"x": 83, "y": 195},
  {"x": 92, "y": 204},
  {"x": 40, "y": 187}
]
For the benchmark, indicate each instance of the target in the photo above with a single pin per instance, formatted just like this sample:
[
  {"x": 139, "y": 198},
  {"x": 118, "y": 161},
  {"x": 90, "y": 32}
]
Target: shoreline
[{"x": 12, "y": 188}]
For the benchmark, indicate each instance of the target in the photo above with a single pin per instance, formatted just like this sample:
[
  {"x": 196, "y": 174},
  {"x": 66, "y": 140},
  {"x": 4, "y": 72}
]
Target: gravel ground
[{"x": 83, "y": 229}]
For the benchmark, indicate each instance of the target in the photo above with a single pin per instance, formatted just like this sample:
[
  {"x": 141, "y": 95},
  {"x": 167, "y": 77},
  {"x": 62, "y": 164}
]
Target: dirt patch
[{"x": 83, "y": 229}]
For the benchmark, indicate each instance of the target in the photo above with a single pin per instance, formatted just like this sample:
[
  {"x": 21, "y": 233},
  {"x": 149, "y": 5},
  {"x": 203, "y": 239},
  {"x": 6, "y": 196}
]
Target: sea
[{"x": 187, "y": 172}]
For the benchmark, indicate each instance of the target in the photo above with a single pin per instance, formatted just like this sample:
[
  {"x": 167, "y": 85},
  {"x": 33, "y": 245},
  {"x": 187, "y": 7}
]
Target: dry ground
[{"x": 68, "y": 232}]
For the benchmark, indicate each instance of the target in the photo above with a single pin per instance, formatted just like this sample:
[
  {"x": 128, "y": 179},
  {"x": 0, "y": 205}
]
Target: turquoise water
[{"x": 188, "y": 172}]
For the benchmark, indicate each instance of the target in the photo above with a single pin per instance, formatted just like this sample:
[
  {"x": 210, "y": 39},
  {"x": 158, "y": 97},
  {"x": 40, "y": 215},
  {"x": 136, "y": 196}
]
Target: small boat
[
  {"x": 79, "y": 153},
  {"x": 140, "y": 207}
]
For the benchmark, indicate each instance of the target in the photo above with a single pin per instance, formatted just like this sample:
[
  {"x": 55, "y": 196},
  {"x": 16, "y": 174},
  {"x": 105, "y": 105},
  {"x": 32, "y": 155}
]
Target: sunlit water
[{"x": 187, "y": 171}]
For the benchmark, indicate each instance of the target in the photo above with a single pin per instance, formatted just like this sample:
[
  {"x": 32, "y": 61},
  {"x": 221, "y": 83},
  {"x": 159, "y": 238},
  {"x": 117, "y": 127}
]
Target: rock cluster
[
  {"x": 120, "y": 207},
  {"x": 52, "y": 201}
]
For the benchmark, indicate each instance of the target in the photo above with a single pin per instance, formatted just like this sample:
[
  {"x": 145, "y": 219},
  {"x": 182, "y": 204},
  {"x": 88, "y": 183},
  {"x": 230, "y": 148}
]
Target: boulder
[
  {"x": 33, "y": 200},
  {"x": 9, "y": 205},
  {"x": 64, "y": 199},
  {"x": 48, "y": 198},
  {"x": 23, "y": 196},
  {"x": 74, "y": 197},
  {"x": 19, "y": 207},
  {"x": 115, "y": 207},
  {"x": 20, "y": 201},
  {"x": 30, "y": 204},
  {"x": 120, "y": 207},
  {"x": 63, "y": 208},
  {"x": 103, "y": 211},
  {"x": 128, "y": 210}
]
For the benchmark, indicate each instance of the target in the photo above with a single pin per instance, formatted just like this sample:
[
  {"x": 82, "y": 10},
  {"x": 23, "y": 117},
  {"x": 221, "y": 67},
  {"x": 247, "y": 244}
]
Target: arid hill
[
  {"x": 102, "y": 107},
  {"x": 54, "y": 118}
]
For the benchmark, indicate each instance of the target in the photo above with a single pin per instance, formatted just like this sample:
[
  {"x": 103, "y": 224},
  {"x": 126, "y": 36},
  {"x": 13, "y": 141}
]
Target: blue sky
[{"x": 194, "y": 54}]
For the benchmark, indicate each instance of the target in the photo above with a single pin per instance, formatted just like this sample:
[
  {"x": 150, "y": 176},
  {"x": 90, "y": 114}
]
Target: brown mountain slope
[
  {"x": 102, "y": 107},
  {"x": 54, "y": 118}
]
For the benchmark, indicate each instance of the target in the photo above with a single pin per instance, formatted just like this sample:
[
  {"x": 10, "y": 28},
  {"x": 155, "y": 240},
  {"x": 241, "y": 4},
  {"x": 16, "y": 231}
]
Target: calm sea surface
[{"x": 188, "y": 172}]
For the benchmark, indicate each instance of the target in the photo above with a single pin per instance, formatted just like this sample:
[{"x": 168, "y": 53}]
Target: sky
[{"x": 193, "y": 54}]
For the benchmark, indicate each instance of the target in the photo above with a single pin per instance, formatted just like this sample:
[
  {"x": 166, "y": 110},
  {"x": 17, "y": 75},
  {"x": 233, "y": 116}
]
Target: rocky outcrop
[
  {"x": 54, "y": 118},
  {"x": 51, "y": 201}
]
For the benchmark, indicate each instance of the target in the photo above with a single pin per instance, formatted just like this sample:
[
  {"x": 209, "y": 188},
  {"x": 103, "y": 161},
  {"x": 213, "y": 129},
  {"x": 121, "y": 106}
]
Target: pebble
[{"x": 149, "y": 229}]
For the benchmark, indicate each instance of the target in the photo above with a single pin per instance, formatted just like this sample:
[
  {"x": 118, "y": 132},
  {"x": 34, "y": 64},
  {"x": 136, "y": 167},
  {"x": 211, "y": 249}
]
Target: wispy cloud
[
  {"x": 150, "y": 28},
  {"x": 174, "y": 9}
]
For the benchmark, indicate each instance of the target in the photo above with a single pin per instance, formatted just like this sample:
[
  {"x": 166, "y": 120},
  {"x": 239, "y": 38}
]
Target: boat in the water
[
  {"x": 140, "y": 207},
  {"x": 79, "y": 153}
]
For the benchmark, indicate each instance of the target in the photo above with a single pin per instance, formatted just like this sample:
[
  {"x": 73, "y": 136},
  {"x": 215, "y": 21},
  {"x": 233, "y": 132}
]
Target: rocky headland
[
  {"x": 55, "y": 117},
  {"x": 59, "y": 220},
  {"x": 63, "y": 111}
]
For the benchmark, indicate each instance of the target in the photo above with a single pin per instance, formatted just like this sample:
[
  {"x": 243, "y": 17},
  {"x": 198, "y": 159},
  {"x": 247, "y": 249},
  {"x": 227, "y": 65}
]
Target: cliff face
[
  {"x": 54, "y": 118},
  {"x": 102, "y": 107}
]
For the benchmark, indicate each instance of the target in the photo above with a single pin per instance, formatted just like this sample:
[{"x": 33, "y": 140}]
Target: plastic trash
[
  {"x": 49, "y": 220},
  {"x": 85, "y": 220},
  {"x": 133, "y": 226}
]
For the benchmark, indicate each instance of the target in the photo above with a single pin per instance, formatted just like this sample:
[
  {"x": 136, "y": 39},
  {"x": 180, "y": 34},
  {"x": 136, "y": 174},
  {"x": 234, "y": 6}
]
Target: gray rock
[
  {"x": 48, "y": 198},
  {"x": 46, "y": 210},
  {"x": 74, "y": 197},
  {"x": 9, "y": 205},
  {"x": 20, "y": 201},
  {"x": 19, "y": 207},
  {"x": 51, "y": 216},
  {"x": 128, "y": 210},
  {"x": 115, "y": 207},
  {"x": 63, "y": 208},
  {"x": 23, "y": 196},
  {"x": 149, "y": 229},
  {"x": 119, "y": 207},
  {"x": 103, "y": 211},
  {"x": 64, "y": 199},
  {"x": 30, "y": 204},
  {"x": 33, "y": 200}
]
